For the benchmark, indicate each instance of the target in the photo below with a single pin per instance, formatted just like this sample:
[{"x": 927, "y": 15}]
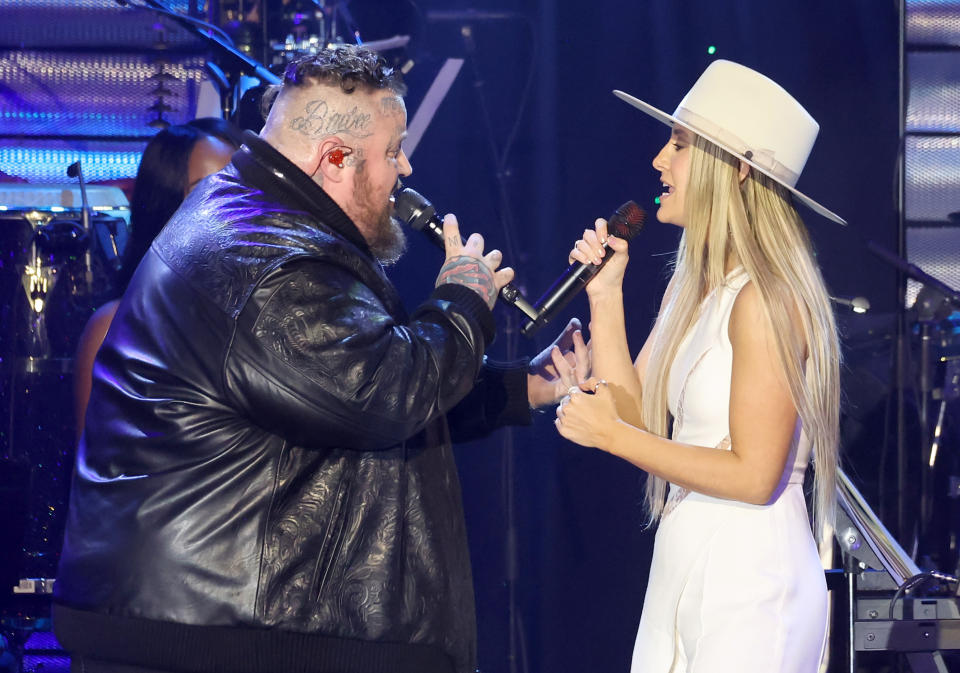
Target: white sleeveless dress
[{"x": 733, "y": 587}]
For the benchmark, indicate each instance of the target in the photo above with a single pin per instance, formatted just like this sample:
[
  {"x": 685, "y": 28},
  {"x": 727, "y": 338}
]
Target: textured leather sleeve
[{"x": 320, "y": 361}]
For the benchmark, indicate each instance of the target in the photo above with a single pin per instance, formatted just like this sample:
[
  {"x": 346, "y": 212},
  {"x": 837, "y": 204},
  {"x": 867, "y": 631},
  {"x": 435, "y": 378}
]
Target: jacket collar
[{"x": 263, "y": 167}]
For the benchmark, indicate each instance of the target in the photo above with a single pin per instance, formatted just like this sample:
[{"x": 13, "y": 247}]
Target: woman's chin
[{"x": 666, "y": 217}]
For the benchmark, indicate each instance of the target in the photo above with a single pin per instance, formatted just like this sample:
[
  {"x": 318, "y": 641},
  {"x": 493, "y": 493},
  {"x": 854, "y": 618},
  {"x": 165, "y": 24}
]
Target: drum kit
[
  {"x": 58, "y": 262},
  {"x": 904, "y": 599},
  {"x": 938, "y": 388}
]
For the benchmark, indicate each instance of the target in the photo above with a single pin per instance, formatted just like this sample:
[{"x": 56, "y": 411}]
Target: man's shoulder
[{"x": 225, "y": 239}]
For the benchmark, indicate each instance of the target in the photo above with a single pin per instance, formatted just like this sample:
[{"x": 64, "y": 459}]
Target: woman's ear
[{"x": 744, "y": 170}]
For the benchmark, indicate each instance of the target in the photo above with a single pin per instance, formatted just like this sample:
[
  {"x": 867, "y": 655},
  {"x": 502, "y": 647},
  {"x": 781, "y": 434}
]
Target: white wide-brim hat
[{"x": 751, "y": 117}]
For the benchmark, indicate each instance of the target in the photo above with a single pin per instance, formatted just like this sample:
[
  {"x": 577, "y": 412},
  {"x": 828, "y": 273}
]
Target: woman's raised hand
[{"x": 596, "y": 245}]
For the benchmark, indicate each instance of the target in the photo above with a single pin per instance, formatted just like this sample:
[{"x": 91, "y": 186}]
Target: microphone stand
[
  {"x": 237, "y": 60},
  {"x": 75, "y": 170},
  {"x": 901, "y": 353},
  {"x": 516, "y": 659}
]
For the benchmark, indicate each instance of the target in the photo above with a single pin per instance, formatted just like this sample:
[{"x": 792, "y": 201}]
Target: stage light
[
  {"x": 711, "y": 50},
  {"x": 38, "y": 164}
]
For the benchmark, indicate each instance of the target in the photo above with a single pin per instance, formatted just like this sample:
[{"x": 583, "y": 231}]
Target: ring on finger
[{"x": 596, "y": 386}]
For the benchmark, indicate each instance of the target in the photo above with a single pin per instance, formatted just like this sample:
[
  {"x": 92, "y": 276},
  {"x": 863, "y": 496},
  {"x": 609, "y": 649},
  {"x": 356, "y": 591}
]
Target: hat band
[{"x": 763, "y": 159}]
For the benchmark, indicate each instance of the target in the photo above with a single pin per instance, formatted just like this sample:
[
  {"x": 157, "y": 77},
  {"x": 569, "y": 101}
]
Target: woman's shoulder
[
  {"x": 736, "y": 279},
  {"x": 96, "y": 328},
  {"x": 750, "y": 314}
]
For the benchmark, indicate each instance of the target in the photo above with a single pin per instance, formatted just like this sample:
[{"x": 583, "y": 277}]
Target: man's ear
[
  {"x": 744, "y": 170},
  {"x": 328, "y": 159}
]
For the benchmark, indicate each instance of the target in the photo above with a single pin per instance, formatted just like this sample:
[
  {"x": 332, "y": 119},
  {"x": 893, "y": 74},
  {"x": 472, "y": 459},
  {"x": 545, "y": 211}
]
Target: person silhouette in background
[{"x": 173, "y": 162}]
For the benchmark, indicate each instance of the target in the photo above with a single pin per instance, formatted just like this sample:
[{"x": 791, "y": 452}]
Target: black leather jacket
[{"x": 266, "y": 480}]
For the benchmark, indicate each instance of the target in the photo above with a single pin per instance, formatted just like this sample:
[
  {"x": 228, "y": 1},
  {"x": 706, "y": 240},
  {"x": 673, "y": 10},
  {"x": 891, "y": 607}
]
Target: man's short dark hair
[{"x": 350, "y": 66}]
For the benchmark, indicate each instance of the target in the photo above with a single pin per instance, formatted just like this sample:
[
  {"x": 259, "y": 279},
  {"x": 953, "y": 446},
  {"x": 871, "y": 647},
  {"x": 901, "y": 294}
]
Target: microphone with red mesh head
[{"x": 626, "y": 222}]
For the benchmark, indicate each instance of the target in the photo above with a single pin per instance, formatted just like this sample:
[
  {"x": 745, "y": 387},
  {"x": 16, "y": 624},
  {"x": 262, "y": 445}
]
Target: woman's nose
[{"x": 660, "y": 161}]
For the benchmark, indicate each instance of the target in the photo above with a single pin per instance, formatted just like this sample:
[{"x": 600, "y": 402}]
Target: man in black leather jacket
[{"x": 266, "y": 482}]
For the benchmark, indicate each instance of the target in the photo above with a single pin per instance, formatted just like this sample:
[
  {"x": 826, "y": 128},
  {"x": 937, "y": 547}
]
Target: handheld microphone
[
  {"x": 414, "y": 209},
  {"x": 626, "y": 222}
]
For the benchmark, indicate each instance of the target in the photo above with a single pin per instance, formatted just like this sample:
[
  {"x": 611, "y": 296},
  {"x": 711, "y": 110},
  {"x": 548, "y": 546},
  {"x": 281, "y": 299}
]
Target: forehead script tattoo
[
  {"x": 391, "y": 105},
  {"x": 319, "y": 120}
]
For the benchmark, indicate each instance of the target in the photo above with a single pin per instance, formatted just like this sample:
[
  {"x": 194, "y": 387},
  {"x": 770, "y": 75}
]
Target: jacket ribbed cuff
[
  {"x": 506, "y": 385},
  {"x": 470, "y": 303}
]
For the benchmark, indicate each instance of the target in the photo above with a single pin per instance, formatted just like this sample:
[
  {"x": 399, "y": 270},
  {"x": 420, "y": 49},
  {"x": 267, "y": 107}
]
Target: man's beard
[{"x": 385, "y": 235}]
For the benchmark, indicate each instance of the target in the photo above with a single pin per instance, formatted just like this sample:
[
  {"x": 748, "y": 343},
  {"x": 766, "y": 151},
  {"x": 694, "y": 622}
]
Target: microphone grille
[
  {"x": 627, "y": 221},
  {"x": 413, "y": 208}
]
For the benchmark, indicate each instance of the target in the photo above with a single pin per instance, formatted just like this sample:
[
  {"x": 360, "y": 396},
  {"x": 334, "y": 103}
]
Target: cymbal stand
[
  {"x": 948, "y": 392},
  {"x": 948, "y": 296}
]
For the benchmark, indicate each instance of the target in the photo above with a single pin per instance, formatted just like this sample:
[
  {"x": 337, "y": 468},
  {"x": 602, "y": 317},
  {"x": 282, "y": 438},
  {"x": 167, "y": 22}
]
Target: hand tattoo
[{"x": 471, "y": 272}]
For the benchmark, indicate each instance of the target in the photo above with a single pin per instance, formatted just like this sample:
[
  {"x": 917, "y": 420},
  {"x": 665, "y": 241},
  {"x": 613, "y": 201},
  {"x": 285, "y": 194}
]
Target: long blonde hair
[{"x": 756, "y": 222}]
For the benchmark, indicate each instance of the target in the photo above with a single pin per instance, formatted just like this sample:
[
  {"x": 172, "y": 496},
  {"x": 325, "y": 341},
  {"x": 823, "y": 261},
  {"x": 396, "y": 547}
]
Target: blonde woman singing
[{"x": 733, "y": 393}]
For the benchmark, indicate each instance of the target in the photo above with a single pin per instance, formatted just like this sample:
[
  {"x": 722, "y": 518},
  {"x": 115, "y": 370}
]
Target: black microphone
[
  {"x": 414, "y": 209},
  {"x": 626, "y": 222}
]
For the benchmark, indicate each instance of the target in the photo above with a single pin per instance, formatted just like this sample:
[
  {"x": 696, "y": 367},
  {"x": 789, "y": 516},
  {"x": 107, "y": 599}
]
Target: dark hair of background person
[
  {"x": 219, "y": 128},
  {"x": 159, "y": 187}
]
